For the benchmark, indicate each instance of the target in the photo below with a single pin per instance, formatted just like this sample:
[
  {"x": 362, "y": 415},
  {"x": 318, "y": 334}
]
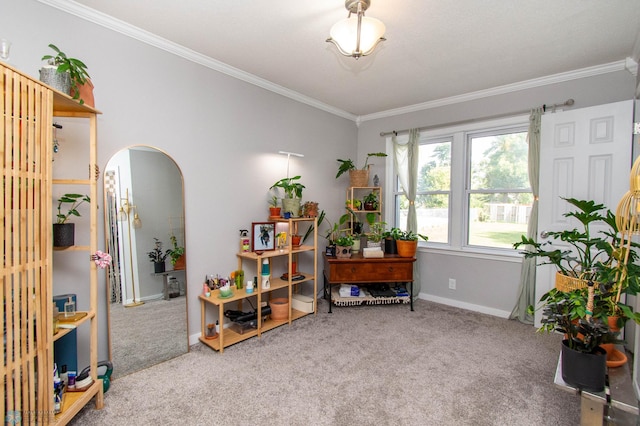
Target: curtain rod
[{"x": 545, "y": 108}]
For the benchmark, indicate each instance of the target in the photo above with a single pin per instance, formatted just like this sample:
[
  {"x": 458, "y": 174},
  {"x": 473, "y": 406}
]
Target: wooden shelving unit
[
  {"x": 358, "y": 193},
  {"x": 27, "y": 109},
  {"x": 229, "y": 337}
]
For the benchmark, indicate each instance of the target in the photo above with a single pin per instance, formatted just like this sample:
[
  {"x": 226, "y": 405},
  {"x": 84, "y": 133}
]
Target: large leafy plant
[
  {"x": 75, "y": 67},
  {"x": 346, "y": 165},
  {"x": 74, "y": 201}
]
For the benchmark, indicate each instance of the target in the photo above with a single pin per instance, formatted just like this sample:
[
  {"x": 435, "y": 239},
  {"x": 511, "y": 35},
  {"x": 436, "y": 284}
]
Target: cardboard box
[{"x": 302, "y": 303}]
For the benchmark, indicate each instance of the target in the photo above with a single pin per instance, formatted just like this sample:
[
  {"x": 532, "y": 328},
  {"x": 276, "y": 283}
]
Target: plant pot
[
  {"x": 369, "y": 205},
  {"x": 158, "y": 267},
  {"x": 279, "y": 308},
  {"x": 274, "y": 212},
  {"x": 343, "y": 252},
  {"x": 59, "y": 81},
  {"x": 64, "y": 234},
  {"x": 359, "y": 177},
  {"x": 407, "y": 248},
  {"x": 85, "y": 93},
  {"x": 390, "y": 246},
  {"x": 296, "y": 241},
  {"x": 292, "y": 206},
  {"x": 310, "y": 209},
  {"x": 180, "y": 263},
  {"x": 585, "y": 371},
  {"x": 355, "y": 248}
]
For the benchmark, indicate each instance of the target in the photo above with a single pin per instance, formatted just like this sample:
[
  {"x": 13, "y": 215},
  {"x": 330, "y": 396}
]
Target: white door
[{"x": 584, "y": 154}]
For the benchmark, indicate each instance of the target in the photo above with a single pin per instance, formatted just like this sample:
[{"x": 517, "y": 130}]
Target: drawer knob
[{"x": 353, "y": 269}]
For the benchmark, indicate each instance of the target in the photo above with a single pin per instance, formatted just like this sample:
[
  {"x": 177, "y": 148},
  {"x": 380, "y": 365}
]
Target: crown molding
[
  {"x": 501, "y": 90},
  {"x": 129, "y": 30},
  {"x": 139, "y": 34}
]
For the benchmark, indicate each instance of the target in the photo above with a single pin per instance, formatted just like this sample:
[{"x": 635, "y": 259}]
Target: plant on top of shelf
[
  {"x": 370, "y": 201},
  {"x": 290, "y": 186},
  {"x": 176, "y": 252},
  {"x": 75, "y": 200},
  {"x": 347, "y": 165},
  {"x": 76, "y": 69}
]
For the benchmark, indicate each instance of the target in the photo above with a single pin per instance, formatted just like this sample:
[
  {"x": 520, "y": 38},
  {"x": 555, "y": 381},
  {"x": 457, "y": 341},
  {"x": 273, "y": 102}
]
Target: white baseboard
[{"x": 464, "y": 305}]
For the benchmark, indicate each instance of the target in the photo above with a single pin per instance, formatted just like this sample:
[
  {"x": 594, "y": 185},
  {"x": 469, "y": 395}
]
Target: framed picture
[{"x": 263, "y": 236}]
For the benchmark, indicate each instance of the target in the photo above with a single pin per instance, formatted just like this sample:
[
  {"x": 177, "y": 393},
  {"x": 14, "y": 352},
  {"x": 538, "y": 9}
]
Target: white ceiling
[{"x": 435, "y": 49}]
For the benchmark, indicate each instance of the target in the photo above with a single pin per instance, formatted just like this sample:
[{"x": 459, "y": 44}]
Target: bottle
[
  {"x": 245, "y": 241},
  {"x": 63, "y": 375},
  {"x": 249, "y": 286},
  {"x": 217, "y": 327},
  {"x": 265, "y": 266},
  {"x": 69, "y": 308}
]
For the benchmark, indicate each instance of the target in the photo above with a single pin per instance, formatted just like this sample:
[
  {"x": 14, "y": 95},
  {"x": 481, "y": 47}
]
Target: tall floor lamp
[{"x": 125, "y": 214}]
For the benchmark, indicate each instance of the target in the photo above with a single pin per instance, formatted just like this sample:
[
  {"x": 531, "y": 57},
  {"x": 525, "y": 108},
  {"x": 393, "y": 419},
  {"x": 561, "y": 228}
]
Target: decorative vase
[
  {"x": 343, "y": 252},
  {"x": 61, "y": 81},
  {"x": 407, "y": 248},
  {"x": 585, "y": 371},
  {"x": 64, "y": 234},
  {"x": 158, "y": 267},
  {"x": 291, "y": 206}
]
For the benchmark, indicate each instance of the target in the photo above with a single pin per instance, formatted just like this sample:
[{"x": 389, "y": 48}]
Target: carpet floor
[{"x": 365, "y": 365}]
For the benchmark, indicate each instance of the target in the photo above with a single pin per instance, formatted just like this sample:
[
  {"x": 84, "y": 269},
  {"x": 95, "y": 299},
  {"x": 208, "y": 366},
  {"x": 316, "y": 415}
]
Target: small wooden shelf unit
[{"x": 229, "y": 337}]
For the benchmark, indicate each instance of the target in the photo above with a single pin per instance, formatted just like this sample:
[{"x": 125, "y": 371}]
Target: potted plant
[
  {"x": 157, "y": 256},
  {"x": 370, "y": 201},
  {"x": 374, "y": 236},
  {"x": 390, "y": 237},
  {"x": 274, "y": 210},
  {"x": 292, "y": 194},
  {"x": 310, "y": 209},
  {"x": 68, "y": 75},
  {"x": 358, "y": 177},
  {"x": 583, "y": 358},
  {"x": 176, "y": 254},
  {"x": 343, "y": 246},
  {"x": 407, "y": 243},
  {"x": 63, "y": 232}
]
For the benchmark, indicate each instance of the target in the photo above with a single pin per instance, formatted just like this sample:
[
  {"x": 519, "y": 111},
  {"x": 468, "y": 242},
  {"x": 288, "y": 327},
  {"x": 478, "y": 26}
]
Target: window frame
[{"x": 459, "y": 201}]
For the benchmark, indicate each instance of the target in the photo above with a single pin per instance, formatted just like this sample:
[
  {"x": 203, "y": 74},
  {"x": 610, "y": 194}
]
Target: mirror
[{"x": 147, "y": 315}]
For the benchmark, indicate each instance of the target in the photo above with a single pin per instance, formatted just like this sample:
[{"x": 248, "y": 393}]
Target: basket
[
  {"x": 359, "y": 177},
  {"x": 566, "y": 283}
]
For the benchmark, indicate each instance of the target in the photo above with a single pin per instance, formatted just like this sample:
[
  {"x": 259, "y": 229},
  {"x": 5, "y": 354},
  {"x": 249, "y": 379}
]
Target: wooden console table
[{"x": 360, "y": 270}]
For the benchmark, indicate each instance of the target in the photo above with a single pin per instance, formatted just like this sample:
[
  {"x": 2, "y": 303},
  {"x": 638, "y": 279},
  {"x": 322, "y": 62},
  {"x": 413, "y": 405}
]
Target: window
[
  {"x": 498, "y": 192},
  {"x": 473, "y": 185}
]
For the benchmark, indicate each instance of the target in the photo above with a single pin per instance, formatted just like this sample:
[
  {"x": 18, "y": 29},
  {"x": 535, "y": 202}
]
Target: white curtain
[
  {"x": 405, "y": 157},
  {"x": 526, "y": 292}
]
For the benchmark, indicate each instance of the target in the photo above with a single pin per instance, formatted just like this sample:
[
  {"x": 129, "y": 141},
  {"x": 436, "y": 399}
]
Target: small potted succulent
[
  {"x": 274, "y": 210},
  {"x": 157, "y": 256},
  {"x": 64, "y": 232}
]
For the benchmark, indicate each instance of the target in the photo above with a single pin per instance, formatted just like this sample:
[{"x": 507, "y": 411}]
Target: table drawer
[{"x": 372, "y": 272}]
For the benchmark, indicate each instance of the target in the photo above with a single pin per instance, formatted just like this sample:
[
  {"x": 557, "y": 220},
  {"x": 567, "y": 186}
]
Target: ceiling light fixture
[{"x": 358, "y": 35}]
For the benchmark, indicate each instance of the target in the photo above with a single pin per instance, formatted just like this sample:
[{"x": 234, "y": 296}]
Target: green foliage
[
  {"x": 176, "y": 251},
  {"x": 346, "y": 165},
  {"x": 376, "y": 229},
  {"x": 411, "y": 236},
  {"x": 344, "y": 241},
  {"x": 291, "y": 189},
  {"x": 393, "y": 233},
  {"x": 273, "y": 201},
  {"x": 75, "y": 67},
  {"x": 156, "y": 255},
  {"x": 75, "y": 200}
]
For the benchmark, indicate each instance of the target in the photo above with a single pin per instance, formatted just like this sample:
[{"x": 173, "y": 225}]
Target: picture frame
[{"x": 263, "y": 236}]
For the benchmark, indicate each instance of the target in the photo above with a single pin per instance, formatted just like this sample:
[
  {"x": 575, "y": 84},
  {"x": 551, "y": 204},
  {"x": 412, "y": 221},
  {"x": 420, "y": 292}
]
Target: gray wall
[{"x": 486, "y": 283}]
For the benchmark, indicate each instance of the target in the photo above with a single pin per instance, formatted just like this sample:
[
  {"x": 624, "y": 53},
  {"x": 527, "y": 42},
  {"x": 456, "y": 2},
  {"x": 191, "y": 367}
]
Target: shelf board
[
  {"x": 72, "y": 248},
  {"x": 64, "y": 331},
  {"x": 73, "y": 402},
  {"x": 72, "y": 182}
]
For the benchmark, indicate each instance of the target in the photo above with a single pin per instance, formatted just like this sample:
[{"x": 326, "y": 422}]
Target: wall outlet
[{"x": 452, "y": 284}]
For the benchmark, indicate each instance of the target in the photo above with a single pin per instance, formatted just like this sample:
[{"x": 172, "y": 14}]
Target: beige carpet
[
  {"x": 363, "y": 365},
  {"x": 145, "y": 335}
]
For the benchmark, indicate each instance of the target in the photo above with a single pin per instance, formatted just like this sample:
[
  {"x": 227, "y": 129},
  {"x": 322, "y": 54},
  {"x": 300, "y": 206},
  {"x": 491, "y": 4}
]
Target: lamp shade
[{"x": 344, "y": 34}]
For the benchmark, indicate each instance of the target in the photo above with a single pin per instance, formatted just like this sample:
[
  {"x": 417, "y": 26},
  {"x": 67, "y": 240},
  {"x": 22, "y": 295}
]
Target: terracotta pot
[
  {"x": 407, "y": 248},
  {"x": 295, "y": 240},
  {"x": 279, "y": 308},
  {"x": 86, "y": 93},
  {"x": 274, "y": 212},
  {"x": 180, "y": 263}
]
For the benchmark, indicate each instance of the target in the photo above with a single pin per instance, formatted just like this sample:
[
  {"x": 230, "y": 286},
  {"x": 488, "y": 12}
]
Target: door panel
[{"x": 584, "y": 154}]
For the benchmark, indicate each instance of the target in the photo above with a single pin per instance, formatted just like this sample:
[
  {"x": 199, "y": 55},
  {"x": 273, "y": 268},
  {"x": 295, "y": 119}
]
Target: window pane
[
  {"x": 499, "y": 161},
  {"x": 434, "y": 167},
  {"x": 499, "y": 219},
  {"x": 432, "y": 213}
]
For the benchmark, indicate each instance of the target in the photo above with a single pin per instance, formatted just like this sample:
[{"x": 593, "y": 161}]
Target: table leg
[
  {"x": 411, "y": 294},
  {"x": 590, "y": 412},
  {"x": 165, "y": 284},
  {"x": 329, "y": 296}
]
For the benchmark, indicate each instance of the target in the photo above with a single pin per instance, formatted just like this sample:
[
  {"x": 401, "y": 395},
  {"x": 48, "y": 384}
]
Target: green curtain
[
  {"x": 526, "y": 292},
  {"x": 405, "y": 157}
]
